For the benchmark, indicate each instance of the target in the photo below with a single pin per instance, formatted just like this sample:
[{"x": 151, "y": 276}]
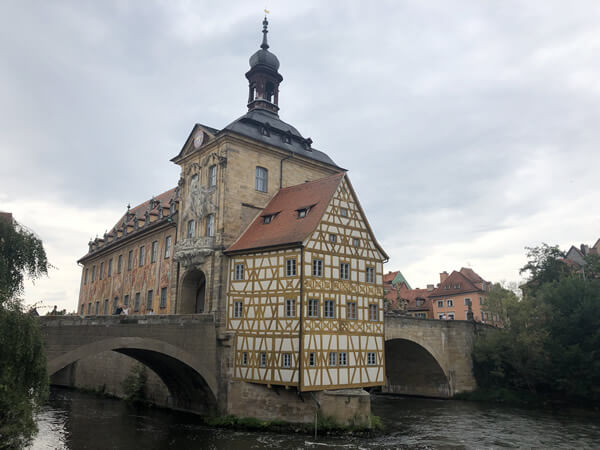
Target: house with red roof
[{"x": 458, "y": 293}]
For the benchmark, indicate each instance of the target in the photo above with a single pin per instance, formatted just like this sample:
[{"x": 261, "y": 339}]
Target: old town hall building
[{"x": 264, "y": 232}]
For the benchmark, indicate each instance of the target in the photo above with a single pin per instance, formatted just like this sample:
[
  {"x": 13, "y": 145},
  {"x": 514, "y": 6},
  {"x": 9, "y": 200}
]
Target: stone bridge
[
  {"x": 429, "y": 357},
  {"x": 180, "y": 349},
  {"x": 423, "y": 357}
]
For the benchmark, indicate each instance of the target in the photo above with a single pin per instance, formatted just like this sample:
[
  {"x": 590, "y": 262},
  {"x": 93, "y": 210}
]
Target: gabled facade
[
  {"x": 305, "y": 298},
  {"x": 450, "y": 300}
]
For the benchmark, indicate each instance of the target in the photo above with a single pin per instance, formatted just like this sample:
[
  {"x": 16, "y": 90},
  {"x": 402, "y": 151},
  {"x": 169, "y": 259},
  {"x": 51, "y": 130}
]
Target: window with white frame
[
  {"x": 154, "y": 253},
  {"x": 290, "y": 307},
  {"x": 351, "y": 310},
  {"x": 440, "y": 303},
  {"x": 449, "y": 302},
  {"x": 191, "y": 228},
  {"x": 212, "y": 176},
  {"x": 239, "y": 272},
  {"x": 261, "y": 179},
  {"x": 332, "y": 358},
  {"x": 210, "y": 225},
  {"x": 344, "y": 271},
  {"x": 287, "y": 360},
  {"x": 317, "y": 268},
  {"x": 290, "y": 267},
  {"x": 342, "y": 358},
  {"x": 167, "y": 247},
  {"x": 370, "y": 275},
  {"x": 371, "y": 358},
  {"x": 329, "y": 312},
  {"x": 313, "y": 307},
  {"x": 373, "y": 312},
  {"x": 467, "y": 301},
  {"x": 238, "y": 310}
]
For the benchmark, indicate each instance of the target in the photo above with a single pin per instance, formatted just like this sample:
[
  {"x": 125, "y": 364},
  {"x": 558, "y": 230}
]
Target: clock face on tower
[{"x": 198, "y": 139}]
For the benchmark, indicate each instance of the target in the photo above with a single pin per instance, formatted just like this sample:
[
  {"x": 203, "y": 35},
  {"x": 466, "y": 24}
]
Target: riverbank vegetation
[
  {"x": 549, "y": 347},
  {"x": 23, "y": 378}
]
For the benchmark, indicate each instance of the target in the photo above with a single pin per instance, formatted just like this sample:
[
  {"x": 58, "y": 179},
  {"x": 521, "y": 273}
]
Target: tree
[
  {"x": 21, "y": 253},
  {"x": 551, "y": 337},
  {"x": 23, "y": 377},
  {"x": 545, "y": 263}
]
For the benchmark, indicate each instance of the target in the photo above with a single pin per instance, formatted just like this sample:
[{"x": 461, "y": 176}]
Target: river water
[{"x": 76, "y": 420}]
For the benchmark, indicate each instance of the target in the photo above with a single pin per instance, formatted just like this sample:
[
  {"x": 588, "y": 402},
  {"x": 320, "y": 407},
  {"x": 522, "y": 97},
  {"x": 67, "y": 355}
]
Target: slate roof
[
  {"x": 266, "y": 127},
  {"x": 286, "y": 228},
  {"x": 140, "y": 210}
]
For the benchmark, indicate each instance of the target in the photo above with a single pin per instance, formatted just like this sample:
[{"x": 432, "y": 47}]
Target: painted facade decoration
[{"x": 296, "y": 294}]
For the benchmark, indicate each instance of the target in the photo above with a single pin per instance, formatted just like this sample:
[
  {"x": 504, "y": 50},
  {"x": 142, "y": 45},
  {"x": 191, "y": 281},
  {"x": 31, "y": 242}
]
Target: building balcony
[{"x": 194, "y": 251}]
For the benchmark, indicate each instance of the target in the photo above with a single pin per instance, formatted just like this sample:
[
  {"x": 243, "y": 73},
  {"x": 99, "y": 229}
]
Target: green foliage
[
  {"x": 544, "y": 264},
  {"x": 551, "y": 337},
  {"x": 23, "y": 378},
  {"x": 21, "y": 253},
  {"x": 135, "y": 384}
]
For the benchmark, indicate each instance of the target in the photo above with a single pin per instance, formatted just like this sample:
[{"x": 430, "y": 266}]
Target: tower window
[
  {"x": 210, "y": 225},
  {"x": 269, "y": 91},
  {"x": 191, "y": 228},
  {"x": 212, "y": 176},
  {"x": 261, "y": 179}
]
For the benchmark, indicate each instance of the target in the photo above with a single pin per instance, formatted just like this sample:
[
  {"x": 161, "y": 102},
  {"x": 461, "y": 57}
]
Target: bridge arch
[
  {"x": 190, "y": 381},
  {"x": 413, "y": 368}
]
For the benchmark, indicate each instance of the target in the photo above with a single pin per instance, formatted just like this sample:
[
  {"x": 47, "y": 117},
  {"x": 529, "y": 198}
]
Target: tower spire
[
  {"x": 265, "y": 44},
  {"x": 263, "y": 76}
]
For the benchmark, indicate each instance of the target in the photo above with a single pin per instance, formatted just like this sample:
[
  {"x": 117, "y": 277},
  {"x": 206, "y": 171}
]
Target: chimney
[
  {"x": 430, "y": 287},
  {"x": 443, "y": 276},
  {"x": 585, "y": 249}
]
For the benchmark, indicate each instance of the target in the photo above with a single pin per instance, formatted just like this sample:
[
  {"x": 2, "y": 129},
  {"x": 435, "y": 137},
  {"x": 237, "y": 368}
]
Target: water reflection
[{"x": 75, "y": 420}]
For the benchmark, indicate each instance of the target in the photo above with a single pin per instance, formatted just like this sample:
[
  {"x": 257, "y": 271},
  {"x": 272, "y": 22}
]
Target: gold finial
[{"x": 266, "y": 10}]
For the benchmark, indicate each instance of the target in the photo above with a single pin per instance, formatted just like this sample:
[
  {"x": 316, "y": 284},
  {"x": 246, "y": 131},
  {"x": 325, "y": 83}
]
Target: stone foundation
[{"x": 343, "y": 407}]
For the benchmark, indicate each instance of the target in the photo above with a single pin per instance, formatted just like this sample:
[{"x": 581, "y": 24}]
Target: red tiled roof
[
  {"x": 471, "y": 275},
  {"x": 456, "y": 283},
  {"x": 389, "y": 277},
  {"x": 286, "y": 227}
]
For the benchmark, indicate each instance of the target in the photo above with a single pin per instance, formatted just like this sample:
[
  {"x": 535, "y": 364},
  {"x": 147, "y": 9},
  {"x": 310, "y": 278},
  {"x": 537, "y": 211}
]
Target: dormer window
[
  {"x": 265, "y": 131},
  {"x": 287, "y": 138},
  {"x": 268, "y": 218},
  {"x": 302, "y": 212}
]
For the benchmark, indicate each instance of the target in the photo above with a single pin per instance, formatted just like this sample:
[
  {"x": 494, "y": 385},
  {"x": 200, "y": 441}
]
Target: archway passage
[
  {"x": 412, "y": 370},
  {"x": 193, "y": 293},
  {"x": 185, "y": 378}
]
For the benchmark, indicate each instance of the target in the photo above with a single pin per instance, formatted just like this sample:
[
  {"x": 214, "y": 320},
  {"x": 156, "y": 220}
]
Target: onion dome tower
[{"x": 263, "y": 77}]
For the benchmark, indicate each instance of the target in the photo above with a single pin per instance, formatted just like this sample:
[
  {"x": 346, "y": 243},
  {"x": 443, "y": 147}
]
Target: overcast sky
[{"x": 470, "y": 129}]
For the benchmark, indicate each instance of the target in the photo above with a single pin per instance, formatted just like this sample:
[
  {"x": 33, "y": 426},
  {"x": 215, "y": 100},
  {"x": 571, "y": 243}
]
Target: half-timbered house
[{"x": 305, "y": 297}]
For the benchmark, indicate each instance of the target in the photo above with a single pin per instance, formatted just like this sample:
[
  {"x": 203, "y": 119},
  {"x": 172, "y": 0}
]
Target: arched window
[{"x": 261, "y": 179}]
